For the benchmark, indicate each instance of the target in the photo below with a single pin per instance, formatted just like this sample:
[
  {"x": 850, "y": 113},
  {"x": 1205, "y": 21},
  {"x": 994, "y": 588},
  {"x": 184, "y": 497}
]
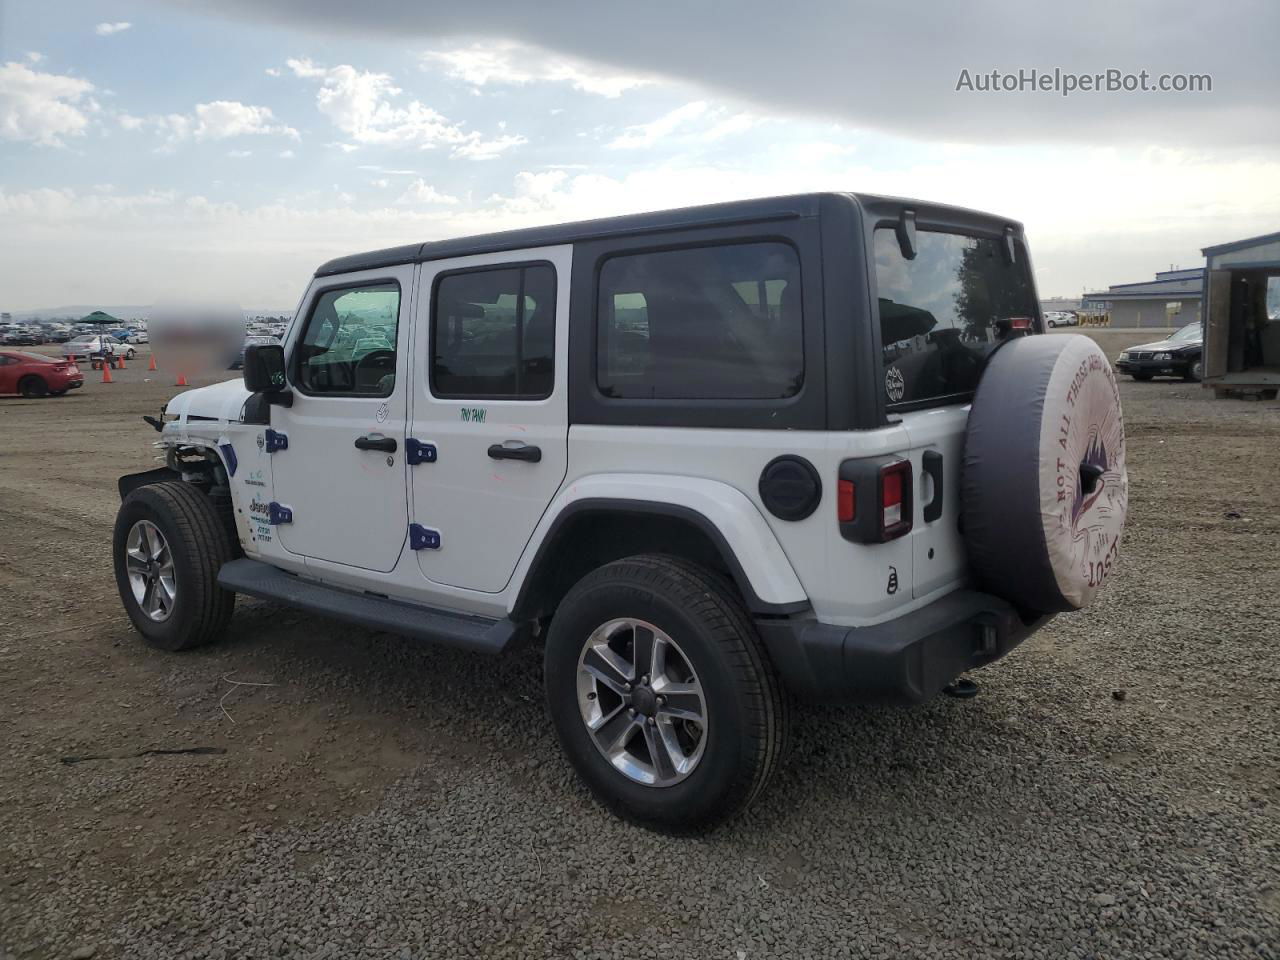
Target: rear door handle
[
  {"x": 373, "y": 441},
  {"x": 932, "y": 465},
  {"x": 516, "y": 451}
]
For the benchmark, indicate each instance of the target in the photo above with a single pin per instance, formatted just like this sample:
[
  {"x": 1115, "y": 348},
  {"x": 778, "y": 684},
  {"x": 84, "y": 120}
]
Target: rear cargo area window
[
  {"x": 941, "y": 313},
  {"x": 715, "y": 322}
]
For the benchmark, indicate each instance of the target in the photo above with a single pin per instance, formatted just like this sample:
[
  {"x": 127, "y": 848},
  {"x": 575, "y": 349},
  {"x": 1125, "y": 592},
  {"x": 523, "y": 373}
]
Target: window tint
[
  {"x": 493, "y": 333},
  {"x": 941, "y": 313},
  {"x": 350, "y": 342},
  {"x": 704, "y": 323}
]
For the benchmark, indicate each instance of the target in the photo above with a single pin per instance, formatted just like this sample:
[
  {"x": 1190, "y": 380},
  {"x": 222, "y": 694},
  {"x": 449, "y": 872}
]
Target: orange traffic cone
[
  {"x": 152, "y": 364},
  {"x": 106, "y": 372},
  {"x": 120, "y": 362},
  {"x": 182, "y": 380}
]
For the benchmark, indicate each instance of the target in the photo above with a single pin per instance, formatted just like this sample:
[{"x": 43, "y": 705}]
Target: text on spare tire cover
[{"x": 1098, "y": 434}]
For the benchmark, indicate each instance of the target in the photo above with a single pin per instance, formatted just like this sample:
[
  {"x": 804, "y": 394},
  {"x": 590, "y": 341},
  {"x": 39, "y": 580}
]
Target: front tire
[
  {"x": 1143, "y": 377},
  {"x": 662, "y": 695},
  {"x": 168, "y": 546},
  {"x": 1195, "y": 371}
]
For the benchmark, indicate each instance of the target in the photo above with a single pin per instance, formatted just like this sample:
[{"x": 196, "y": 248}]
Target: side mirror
[{"x": 264, "y": 368}]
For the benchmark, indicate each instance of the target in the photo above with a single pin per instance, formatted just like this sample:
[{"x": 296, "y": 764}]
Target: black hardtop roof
[{"x": 735, "y": 212}]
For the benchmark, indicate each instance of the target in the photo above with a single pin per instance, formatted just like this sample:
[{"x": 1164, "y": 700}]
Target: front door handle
[
  {"x": 515, "y": 450},
  {"x": 373, "y": 441}
]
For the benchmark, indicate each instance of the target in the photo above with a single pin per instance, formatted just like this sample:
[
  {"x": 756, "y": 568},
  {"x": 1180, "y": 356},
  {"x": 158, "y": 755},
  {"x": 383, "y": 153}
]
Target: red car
[{"x": 35, "y": 375}]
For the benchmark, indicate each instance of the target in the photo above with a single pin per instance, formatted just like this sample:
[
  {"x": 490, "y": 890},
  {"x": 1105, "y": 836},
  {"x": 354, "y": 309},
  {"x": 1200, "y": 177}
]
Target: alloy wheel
[
  {"x": 642, "y": 702},
  {"x": 149, "y": 562}
]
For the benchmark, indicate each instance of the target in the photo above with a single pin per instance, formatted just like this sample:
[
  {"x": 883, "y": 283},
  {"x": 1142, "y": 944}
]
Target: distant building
[
  {"x": 1172, "y": 299},
  {"x": 1242, "y": 316},
  {"x": 1060, "y": 305}
]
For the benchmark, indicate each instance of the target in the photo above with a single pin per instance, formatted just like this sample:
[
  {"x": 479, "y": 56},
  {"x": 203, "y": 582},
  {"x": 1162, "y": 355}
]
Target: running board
[{"x": 478, "y": 634}]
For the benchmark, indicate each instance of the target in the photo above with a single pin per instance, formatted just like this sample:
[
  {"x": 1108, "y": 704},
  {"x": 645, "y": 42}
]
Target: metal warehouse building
[
  {"x": 1242, "y": 328},
  {"x": 1172, "y": 299}
]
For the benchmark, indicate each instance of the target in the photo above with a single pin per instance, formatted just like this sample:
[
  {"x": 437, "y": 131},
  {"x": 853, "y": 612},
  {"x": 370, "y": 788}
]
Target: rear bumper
[{"x": 907, "y": 660}]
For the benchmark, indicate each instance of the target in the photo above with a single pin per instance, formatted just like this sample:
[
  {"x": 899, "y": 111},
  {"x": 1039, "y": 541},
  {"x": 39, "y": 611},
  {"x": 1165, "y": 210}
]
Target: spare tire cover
[{"x": 1044, "y": 489}]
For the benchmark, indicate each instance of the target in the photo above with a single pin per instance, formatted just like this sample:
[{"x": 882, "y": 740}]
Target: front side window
[
  {"x": 716, "y": 322},
  {"x": 349, "y": 346},
  {"x": 941, "y": 313},
  {"x": 493, "y": 333}
]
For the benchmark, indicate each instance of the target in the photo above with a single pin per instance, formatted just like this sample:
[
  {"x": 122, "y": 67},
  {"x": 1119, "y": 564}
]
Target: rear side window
[
  {"x": 349, "y": 346},
  {"x": 493, "y": 334},
  {"x": 940, "y": 314},
  {"x": 716, "y": 322}
]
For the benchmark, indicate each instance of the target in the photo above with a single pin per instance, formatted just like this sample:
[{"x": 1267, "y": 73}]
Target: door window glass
[
  {"x": 349, "y": 345},
  {"x": 493, "y": 333},
  {"x": 715, "y": 322}
]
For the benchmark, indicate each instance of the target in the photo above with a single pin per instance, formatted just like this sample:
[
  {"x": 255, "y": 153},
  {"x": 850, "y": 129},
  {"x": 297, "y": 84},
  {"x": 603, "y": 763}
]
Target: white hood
[{"x": 220, "y": 401}]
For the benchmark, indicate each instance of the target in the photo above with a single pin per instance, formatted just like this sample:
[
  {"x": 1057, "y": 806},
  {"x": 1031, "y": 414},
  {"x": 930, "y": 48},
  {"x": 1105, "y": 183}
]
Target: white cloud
[
  {"x": 422, "y": 192},
  {"x": 477, "y": 148},
  {"x": 648, "y": 134},
  {"x": 107, "y": 29},
  {"x": 41, "y": 107},
  {"x": 216, "y": 120},
  {"x": 273, "y": 72},
  {"x": 517, "y": 64},
  {"x": 230, "y": 118},
  {"x": 239, "y": 154},
  {"x": 380, "y": 182},
  {"x": 366, "y": 107},
  {"x": 34, "y": 57},
  {"x": 286, "y": 154}
]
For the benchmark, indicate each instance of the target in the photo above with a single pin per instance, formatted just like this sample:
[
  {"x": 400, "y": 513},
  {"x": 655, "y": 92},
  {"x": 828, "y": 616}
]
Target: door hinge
[
  {"x": 274, "y": 441},
  {"x": 416, "y": 452},
  {"x": 277, "y": 513},
  {"x": 423, "y": 538}
]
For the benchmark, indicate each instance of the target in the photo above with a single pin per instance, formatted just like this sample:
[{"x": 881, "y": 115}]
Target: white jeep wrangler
[{"x": 708, "y": 458}]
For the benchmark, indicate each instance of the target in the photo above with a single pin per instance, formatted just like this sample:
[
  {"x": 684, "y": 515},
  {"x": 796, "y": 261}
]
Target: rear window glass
[
  {"x": 941, "y": 313},
  {"x": 714, "y": 322}
]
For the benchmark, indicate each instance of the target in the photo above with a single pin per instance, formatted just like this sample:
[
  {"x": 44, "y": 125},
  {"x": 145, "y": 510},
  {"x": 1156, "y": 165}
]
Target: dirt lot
[{"x": 1114, "y": 791}]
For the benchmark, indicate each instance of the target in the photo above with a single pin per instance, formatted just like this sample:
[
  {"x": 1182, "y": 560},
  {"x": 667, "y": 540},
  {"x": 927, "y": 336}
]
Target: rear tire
[
  {"x": 711, "y": 646},
  {"x": 195, "y": 546},
  {"x": 33, "y": 386}
]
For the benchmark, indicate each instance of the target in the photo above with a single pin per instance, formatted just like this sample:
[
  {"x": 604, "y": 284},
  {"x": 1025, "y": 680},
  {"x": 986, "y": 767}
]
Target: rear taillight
[
  {"x": 873, "y": 499},
  {"x": 895, "y": 499},
  {"x": 846, "y": 501}
]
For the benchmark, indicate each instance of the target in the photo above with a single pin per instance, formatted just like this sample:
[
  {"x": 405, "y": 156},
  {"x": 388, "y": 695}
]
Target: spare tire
[{"x": 1044, "y": 489}]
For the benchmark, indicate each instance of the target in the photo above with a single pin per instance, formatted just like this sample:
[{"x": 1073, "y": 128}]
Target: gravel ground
[{"x": 1112, "y": 792}]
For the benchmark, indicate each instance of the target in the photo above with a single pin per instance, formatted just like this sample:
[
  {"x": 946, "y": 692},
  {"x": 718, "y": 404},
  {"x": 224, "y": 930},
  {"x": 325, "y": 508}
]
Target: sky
[{"x": 160, "y": 148}]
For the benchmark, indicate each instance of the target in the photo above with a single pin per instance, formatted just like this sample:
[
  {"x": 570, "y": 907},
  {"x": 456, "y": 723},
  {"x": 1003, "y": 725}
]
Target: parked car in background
[
  {"x": 1061, "y": 318},
  {"x": 95, "y": 345},
  {"x": 20, "y": 337},
  {"x": 35, "y": 375},
  {"x": 138, "y": 337},
  {"x": 1178, "y": 356}
]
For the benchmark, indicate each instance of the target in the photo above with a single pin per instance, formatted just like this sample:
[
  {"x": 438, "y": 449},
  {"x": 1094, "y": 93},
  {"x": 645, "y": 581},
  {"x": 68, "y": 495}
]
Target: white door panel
[
  {"x": 484, "y": 509},
  {"x": 348, "y": 505}
]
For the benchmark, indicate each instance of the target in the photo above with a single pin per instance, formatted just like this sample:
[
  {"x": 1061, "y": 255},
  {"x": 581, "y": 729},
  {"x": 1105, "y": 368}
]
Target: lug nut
[
  {"x": 652, "y": 721},
  {"x": 631, "y": 712}
]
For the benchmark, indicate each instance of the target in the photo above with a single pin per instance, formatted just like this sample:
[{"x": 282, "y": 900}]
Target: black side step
[{"x": 478, "y": 634}]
